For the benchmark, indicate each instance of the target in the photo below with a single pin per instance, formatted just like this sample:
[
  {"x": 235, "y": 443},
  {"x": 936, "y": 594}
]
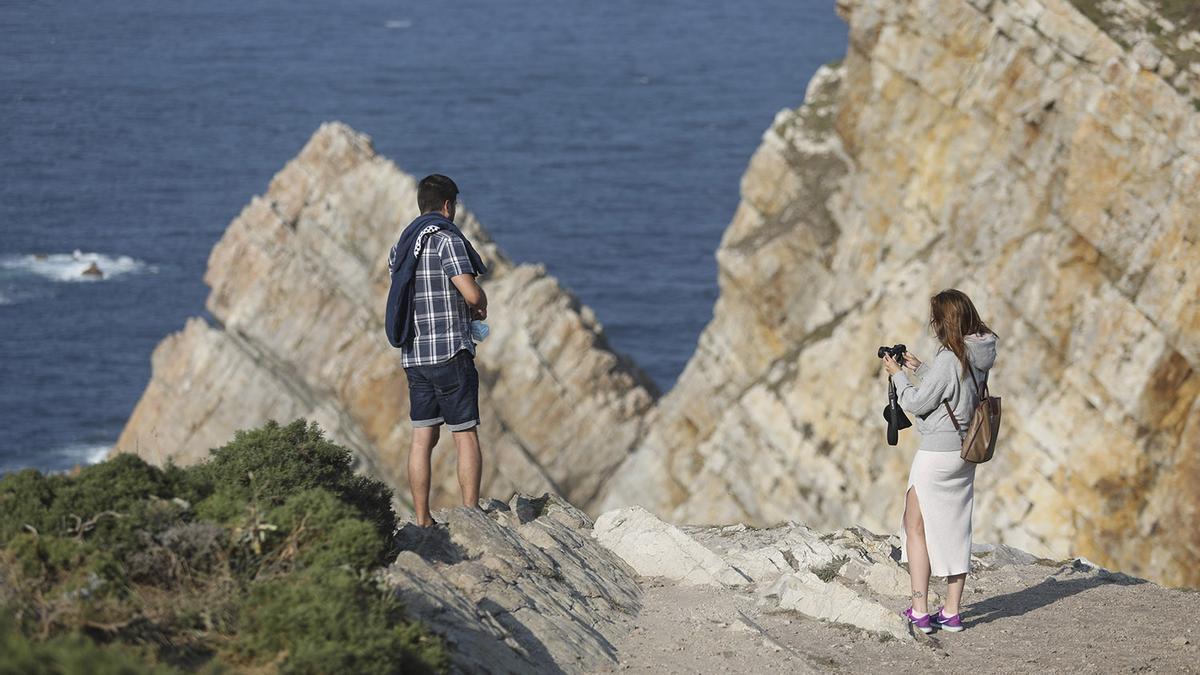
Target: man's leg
[
  {"x": 460, "y": 406},
  {"x": 419, "y": 459},
  {"x": 470, "y": 465}
]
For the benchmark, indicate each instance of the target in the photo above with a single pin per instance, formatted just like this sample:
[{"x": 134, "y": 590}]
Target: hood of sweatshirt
[{"x": 981, "y": 351}]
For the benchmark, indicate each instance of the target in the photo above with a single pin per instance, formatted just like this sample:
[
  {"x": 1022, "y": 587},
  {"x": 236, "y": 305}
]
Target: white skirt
[{"x": 945, "y": 487}]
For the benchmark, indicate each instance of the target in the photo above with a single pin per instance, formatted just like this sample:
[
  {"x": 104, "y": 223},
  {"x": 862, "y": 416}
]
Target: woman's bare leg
[
  {"x": 954, "y": 592},
  {"x": 918, "y": 553}
]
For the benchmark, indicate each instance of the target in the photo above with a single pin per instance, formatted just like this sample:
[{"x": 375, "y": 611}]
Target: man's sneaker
[
  {"x": 923, "y": 624},
  {"x": 950, "y": 623}
]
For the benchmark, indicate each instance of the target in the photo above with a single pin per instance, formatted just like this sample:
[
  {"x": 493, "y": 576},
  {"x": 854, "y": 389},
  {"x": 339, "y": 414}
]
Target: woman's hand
[
  {"x": 911, "y": 361},
  {"x": 890, "y": 365}
]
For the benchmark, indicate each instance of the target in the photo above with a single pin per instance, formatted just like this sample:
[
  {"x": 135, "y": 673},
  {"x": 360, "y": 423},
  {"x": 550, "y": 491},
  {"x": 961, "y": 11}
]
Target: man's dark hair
[{"x": 435, "y": 190}]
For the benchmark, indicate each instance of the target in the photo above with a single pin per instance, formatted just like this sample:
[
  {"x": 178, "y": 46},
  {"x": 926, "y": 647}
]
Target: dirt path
[{"x": 1021, "y": 619}]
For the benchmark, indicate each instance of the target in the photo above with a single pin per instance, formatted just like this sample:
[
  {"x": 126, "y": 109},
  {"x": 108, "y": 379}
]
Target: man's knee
[
  {"x": 467, "y": 440},
  {"x": 425, "y": 437}
]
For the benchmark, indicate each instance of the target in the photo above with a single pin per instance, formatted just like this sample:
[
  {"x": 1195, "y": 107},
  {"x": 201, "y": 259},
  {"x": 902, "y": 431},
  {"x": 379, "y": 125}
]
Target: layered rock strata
[
  {"x": 298, "y": 285},
  {"x": 1008, "y": 148},
  {"x": 522, "y": 588},
  {"x": 533, "y": 586}
]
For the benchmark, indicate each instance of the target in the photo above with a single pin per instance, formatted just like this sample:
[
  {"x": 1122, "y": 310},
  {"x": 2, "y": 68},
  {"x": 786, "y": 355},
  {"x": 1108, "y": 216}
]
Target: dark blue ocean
[{"x": 604, "y": 139}]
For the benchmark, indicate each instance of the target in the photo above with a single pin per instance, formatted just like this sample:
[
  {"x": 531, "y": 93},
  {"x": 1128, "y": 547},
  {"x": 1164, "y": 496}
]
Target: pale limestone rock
[
  {"x": 1004, "y": 148},
  {"x": 780, "y": 561},
  {"x": 884, "y": 577},
  {"x": 804, "y": 592},
  {"x": 1000, "y": 555},
  {"x": 298, "y": 286},
  {"x": 763, "y": 554},
  {"x": 658, "y": 549}
]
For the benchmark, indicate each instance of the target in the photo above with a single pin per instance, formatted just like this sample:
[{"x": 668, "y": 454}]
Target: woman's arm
[{"x": 922, "y": 398}]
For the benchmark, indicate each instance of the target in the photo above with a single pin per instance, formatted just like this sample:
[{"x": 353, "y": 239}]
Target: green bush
[
  {"x": 336, "y": 623},
  {"x": 327, "y": 532},
  {"x": 260, "y": 556},
  {"x": 67, "y": 655},
  {"x": 270, "y": 463}
]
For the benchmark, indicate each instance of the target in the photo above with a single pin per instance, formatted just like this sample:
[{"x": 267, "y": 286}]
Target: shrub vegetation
[{"x": 260, "y": 558}]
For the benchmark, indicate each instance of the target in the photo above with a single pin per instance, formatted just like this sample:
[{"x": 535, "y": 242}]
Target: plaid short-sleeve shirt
[{"x": 441, "y": 317}]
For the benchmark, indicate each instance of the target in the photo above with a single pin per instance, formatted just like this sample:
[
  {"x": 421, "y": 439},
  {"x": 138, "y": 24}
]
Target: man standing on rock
[{"x": 433, "y": 299}]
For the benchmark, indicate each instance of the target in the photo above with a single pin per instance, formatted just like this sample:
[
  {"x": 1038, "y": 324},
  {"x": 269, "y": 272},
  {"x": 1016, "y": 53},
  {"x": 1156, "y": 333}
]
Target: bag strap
[
  {"x": 981, "y": 392},
  {"x": 957, "y": 426}
]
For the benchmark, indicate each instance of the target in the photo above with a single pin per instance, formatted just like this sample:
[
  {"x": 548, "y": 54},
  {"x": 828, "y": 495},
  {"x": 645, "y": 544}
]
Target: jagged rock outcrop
[
  {"x": 523, "y": 588},
  {"x": 533, "y": 586},
  {"x": 1008, "y": 148},
  {"x": 298, "y": 285}
]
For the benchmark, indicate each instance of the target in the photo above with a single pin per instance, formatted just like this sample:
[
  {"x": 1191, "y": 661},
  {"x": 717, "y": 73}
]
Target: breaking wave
[
  {"x": 61, "y": 458},
  {"x": 74, "y": 267}
]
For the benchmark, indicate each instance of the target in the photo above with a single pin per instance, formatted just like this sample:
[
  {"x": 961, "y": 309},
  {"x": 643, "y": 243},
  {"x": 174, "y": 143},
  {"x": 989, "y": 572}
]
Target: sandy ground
[{"x": 1032, "y": 618}]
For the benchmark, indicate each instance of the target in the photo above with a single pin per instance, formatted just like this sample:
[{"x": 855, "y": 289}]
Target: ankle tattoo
[{"x": 917, "y": 595}]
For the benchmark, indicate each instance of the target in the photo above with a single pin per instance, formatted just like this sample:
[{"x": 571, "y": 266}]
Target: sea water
[{"x": 603, "y": 139}]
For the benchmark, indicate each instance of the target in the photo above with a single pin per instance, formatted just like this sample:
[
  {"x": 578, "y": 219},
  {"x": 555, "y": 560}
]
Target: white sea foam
[
  {"x": 95, "y": 453},
  {"x": 4, "y": 299},
  {"x": 398, "y": 23},
  {"x": 71, "y": 266},
  {"x": 61, "y": 458}
]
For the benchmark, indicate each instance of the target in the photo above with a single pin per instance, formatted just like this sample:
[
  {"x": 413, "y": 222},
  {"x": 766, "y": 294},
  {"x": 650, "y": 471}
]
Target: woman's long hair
[{"x": 952, "y": 316}]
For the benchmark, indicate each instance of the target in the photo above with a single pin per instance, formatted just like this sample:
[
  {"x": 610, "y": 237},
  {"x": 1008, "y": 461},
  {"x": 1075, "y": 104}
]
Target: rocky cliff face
[
  {"x": 298, "y": 286},
  {"x": 1016, "y": 151},
  {"x": 1009, "y": 148}
]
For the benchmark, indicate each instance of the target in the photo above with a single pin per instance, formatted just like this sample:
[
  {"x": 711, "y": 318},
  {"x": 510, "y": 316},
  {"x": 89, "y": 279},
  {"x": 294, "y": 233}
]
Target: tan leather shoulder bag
[{"x": 979, "y": 443}]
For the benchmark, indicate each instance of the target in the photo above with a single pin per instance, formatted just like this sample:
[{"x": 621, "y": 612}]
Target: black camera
[
  {"x": 896, "y": 419},
  {"x": 897, "y": 352}
]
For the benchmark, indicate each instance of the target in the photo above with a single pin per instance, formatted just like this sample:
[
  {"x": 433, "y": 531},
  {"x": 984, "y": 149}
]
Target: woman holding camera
[{"x": 936, "y": 537}]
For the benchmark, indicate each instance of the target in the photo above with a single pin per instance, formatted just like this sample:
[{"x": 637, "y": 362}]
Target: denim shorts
[{"x": 447, "y": 393}]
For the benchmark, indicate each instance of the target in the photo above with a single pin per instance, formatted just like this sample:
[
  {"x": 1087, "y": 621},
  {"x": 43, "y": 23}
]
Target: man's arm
[
  {"x": 457, "y": 265},
  {"x": 472, "y": 293}
]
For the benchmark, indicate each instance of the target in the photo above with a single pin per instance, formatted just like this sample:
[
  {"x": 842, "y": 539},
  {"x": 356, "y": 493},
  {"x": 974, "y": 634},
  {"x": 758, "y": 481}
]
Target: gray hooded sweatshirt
[{"x": 945, "y": 380}]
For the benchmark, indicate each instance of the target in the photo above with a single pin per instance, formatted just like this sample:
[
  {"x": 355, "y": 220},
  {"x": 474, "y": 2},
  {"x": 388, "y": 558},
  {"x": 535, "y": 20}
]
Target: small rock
[
  {"x": 93, "y": 270},
  {"x": 1180, "y": 641},
  {"x": 489, "y": 505},
  {"x": 1147, "y": 55}
]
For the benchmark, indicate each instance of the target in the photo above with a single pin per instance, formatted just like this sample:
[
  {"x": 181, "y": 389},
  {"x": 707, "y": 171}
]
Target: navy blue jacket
[{"x": 402, "y": 264}]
